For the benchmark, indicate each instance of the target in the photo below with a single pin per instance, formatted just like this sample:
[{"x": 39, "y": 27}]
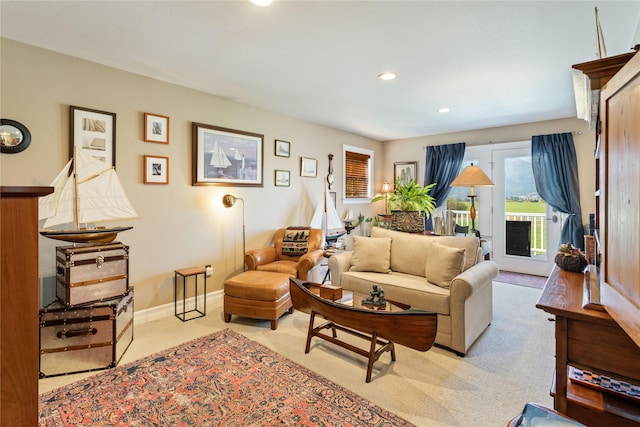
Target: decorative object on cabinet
[
  {"x": 93, "y": 132},
  {"x": 156, "y": 128},
  {"x": 222, "y": 156},
  {"x": 14, "y": 136},
  {"x": 156, "y": 169},
  {"x": 405, "y": 172},
  {"x": 472, "y": 176},
  {"x": 308, "y": 167},
  {"x": 228, "y": 201},
  {"x": 85, "y": 178},
  {"x": 282, "y": 148},
  {"x": 569, "y": 258},
  {"x": 326, "y": 218},
  {"x": 282, "y": 178}
]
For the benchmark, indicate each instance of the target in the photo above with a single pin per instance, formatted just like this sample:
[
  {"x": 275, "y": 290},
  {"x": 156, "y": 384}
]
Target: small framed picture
[
  {"x": 308, "y": 167},
  {"x": 282, "y": 178},
  {"x": 156, "y": 128},
  {"x": 156, "y": 170},
  {"x": 282, "y": 148},
  {"x": 406, "y": 171},
  {"x": 93, "y": 132}
]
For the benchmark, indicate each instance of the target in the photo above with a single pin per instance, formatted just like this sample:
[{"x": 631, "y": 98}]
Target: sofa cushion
[
  {"x": 408, "y": 251},
  {"x": 443, "y": 264},
  {"x": 405, "y": 288},
  {"x": 470, "y": 243},
  {"x": 371, "y": 254}
]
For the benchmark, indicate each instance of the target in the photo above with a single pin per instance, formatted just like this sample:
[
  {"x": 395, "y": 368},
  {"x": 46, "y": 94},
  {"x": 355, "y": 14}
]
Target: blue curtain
[
  {"x": 443, "y": 166},
  {"x": 555, "y": 169}
]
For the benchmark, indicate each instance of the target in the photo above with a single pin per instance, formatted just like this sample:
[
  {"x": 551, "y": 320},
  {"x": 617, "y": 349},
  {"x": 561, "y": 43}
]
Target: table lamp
[{"x": 472, "y": 176}]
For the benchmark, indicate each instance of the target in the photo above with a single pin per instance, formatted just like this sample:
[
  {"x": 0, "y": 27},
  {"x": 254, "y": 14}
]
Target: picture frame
[
  {"x": 282, "y": 178},
  {"x": 282, "y": 148},
  {"x": 156, "y": 169},
  {"x": 156, "y": 128},
  {"x": 406, "y": 171},
  {"x": 93, "y": 132},
  {"x": 228, "y": 157},
  {"x": 308, "y": 167}
]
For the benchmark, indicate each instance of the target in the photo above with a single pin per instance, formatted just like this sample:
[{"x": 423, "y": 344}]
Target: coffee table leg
[
  {"x": 372, "y": 355},
  {"x": 310, "y": 332}
]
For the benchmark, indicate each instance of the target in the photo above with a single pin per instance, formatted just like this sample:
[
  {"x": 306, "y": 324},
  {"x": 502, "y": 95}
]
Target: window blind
[{"x": 356, "y": 175}]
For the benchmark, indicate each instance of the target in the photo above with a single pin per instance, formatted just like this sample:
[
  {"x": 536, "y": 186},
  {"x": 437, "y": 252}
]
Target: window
[{"x": 358, "y": 173}]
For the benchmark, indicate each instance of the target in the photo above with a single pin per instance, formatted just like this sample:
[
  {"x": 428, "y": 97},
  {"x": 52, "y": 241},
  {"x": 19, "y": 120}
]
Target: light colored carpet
[{"x": 511, "y": 363}]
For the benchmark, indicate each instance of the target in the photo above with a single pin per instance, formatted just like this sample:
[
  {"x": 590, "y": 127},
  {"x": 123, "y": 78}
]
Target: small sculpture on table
[{"x": 376, "y": 297}]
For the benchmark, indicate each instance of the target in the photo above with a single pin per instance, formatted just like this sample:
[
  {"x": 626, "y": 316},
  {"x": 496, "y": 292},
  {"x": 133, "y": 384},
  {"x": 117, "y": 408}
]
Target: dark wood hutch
[{"x": 597, "y": 314}]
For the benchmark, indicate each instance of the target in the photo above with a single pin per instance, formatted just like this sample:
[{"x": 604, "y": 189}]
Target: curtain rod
[{"x": 505, "y": 140}]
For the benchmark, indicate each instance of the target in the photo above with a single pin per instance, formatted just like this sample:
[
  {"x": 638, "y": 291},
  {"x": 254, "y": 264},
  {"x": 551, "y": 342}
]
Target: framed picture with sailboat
[
  {"x": 93, "y": 132},
  {"x": 222, "y": 156}
]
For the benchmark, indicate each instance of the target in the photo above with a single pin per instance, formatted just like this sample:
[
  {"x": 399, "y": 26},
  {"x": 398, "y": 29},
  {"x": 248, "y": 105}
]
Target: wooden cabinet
[
  {"x": 604, "y": 338},
  {"x": 590, "y": 340},
  {"x": 19, "y": 305}
]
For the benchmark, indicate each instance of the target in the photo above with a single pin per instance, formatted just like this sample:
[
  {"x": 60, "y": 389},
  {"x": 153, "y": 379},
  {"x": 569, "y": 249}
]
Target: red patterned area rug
[
  {"x": 223, "y": 379},
  {"x": 527, "y": 280}
]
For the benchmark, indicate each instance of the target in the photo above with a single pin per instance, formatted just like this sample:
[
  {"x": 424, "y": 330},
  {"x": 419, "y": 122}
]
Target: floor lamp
[
  {"x": 228, "y": 201},
  {"x": 472, "y": 176}
]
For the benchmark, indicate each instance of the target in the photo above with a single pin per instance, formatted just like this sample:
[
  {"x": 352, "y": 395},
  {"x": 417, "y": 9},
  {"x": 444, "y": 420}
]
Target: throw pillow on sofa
[
  {"x": 371, "y": 254},
  {"x": 443, "y": 264}
]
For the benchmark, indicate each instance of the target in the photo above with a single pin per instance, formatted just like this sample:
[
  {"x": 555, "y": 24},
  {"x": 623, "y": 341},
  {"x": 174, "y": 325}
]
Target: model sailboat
[
  {"x": 326, "y": 217},
  {"x": 87, "y": 190}
]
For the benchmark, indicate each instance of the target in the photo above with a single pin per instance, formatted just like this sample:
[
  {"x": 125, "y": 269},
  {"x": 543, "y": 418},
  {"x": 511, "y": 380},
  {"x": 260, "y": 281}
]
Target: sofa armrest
[
  {"x": 338, "y": 264},
  {"x": 256, "y": 257},
  {"x": 309, "y": 261},
  {"x": 473, "y": 279}
]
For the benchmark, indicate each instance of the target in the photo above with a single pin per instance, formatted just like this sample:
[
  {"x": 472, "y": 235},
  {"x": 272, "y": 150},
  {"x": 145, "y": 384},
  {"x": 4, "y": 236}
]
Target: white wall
[
  {"x": 181, "y": 225},
  {"x": 413, "y": 150}
]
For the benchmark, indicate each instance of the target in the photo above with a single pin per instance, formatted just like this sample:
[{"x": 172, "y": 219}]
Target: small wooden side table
[{"x": 185, "y": 273}]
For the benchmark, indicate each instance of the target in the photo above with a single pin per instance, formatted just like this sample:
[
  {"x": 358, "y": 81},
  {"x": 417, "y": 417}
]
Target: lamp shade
[
  {"x": 228, "y": 200},
  {"x": 386, "y": 187},
  {"x": 472, "y": 176}
]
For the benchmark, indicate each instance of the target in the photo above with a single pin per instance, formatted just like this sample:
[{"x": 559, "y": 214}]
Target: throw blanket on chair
[{"x": 294, "y": 242}]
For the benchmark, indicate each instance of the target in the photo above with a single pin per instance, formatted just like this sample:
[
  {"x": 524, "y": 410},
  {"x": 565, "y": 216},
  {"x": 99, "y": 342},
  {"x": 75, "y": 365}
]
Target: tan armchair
[{"x": 274, "y": 259}]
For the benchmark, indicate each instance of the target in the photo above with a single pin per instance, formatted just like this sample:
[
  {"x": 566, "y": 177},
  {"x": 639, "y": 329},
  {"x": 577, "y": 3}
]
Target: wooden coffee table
[{"x": 380, "y": 326}]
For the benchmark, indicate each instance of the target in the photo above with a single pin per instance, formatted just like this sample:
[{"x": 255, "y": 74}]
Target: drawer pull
[{"x": 77, "y": 333}]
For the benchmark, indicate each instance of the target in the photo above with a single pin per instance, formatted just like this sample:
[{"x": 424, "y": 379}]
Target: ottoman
[{"x": 257, "y": 294}]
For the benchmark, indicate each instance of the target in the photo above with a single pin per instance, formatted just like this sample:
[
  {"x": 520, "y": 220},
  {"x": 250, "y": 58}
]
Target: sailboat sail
[
  {"x": 327, "y": 218},
  {"x": 87, "y": 190},
  {"x": 218, "y": 158}
]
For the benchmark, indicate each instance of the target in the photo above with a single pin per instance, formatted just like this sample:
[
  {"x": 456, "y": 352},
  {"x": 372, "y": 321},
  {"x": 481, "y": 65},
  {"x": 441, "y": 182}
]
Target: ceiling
[{"x": 492, "y": 63}]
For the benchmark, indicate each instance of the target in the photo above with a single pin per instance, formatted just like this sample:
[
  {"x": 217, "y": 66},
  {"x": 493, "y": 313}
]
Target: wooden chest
[
  {"x": 87, "y": 274},
  {"x": 85, "y": 338}
]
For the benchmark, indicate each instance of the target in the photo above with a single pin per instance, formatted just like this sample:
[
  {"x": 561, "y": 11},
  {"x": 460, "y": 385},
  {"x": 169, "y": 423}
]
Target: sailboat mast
[{"x": 75, "y": 184}]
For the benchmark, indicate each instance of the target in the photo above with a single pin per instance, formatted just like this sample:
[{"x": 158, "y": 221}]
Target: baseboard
[{"x": 167, "y": 310}]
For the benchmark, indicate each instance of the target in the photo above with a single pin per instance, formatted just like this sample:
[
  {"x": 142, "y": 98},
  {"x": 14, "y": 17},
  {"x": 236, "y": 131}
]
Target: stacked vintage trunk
[{"x": 90, "y": 326}]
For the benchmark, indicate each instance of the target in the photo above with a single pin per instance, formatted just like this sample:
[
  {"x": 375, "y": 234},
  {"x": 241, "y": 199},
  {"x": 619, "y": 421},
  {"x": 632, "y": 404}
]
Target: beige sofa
[{"x": 445, "y": 274}]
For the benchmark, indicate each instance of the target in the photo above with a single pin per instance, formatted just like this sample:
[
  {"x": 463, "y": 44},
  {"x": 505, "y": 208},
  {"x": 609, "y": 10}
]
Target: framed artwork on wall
[
  {"x": 282, "y": 148},
  {"x": 308, "y": 167},
  {"x": 282, "y": 178},
  {"x": 156, "y": 128},
  {"x": 156, "y": 170},
  {"x": 93, "y": 132},
  {"x": 222, "y": 156},
  {"x": 406, "y": 171}
]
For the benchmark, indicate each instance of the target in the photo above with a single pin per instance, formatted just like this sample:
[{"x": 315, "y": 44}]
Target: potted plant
[{"x": 410, "y": 197}]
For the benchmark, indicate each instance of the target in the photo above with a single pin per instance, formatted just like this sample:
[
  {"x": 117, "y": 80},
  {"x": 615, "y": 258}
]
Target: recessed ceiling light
[
  {"x": 261, "y": 2},
  {"x": 444, "y": 110},
  {"x": 388, "y": 75}
]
